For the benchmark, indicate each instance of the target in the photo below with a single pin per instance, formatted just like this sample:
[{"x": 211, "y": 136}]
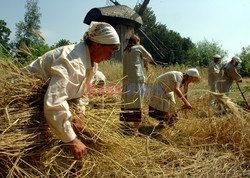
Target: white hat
[
  {"x": 217, "y": 56},
  {"x": 236, "y": 58},
  {"x": 103, "y": 33},
  {"x": 192, "y": 72}
]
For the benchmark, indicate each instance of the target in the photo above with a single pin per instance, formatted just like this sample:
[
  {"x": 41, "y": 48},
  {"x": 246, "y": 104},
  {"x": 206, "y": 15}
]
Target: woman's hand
[
  {"x": 78, "y": 122},
  {"x": 78, "y": 149}
]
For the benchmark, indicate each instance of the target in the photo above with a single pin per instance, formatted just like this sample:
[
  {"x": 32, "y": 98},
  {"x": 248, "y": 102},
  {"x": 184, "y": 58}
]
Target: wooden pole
[{"x": 242, "y": 95}]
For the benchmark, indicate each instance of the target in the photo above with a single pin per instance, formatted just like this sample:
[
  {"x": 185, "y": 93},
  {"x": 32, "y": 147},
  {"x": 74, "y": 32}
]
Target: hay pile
[{"x": 202, "y": 145}]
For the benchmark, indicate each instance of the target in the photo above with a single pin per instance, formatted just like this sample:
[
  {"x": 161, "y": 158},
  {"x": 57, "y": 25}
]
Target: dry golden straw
[{"x": 204, "y": 145}]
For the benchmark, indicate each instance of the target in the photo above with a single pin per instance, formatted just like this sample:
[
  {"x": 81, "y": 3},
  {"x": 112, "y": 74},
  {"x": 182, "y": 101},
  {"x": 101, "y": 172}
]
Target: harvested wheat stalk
[{"x": 195, "y": 147}]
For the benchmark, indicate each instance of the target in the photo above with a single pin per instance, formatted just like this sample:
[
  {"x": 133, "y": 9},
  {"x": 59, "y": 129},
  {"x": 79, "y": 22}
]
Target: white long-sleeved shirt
[{"x": 69, "y": 70}]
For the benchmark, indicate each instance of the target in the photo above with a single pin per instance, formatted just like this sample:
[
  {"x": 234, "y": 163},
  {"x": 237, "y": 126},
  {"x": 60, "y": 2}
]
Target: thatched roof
[{"x": 119, "y": 14}]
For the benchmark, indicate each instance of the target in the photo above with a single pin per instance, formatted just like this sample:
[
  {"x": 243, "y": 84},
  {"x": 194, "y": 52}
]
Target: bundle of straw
[{"x": 194, "y": 147}]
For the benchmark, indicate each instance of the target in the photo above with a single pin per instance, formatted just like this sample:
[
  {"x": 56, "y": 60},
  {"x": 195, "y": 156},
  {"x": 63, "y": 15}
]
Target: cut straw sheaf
[{"x": 204, "y": 145}]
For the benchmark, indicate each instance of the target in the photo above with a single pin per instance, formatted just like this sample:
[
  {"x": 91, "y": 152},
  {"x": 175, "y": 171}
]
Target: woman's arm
[{"x": 181, "y": 96}]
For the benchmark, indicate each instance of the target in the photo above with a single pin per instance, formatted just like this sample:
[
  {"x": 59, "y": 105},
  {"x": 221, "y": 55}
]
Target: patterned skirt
[
  {"x": 157, "y": 114},
  {"x": 132, "y": 99},
  {"x": 131, "y": 115}
]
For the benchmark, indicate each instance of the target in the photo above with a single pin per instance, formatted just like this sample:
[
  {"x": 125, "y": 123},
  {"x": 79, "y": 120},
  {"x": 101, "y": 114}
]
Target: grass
[{"x": 201, "y": 144}]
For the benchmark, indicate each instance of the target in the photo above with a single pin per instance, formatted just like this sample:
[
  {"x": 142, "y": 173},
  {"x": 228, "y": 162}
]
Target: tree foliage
[
  {"x": 245, "y": 65},
  {"x": 4, "y": 38},
  {"x": 62, "y": 42},
  {"x": 170, "y": 47},
  {"x": 203, "y": 52},
  {"x": 165, "y": 45},
  {"x": 26, "y": 31},
  {"x": 4, "y": 33},
  {"x": 29, "y": 43}
]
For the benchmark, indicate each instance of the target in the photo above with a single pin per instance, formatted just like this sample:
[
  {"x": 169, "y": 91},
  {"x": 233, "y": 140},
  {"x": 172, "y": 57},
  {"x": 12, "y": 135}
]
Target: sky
[{"x": 223, "y": 21}]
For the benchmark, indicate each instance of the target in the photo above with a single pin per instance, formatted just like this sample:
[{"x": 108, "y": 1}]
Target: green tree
[
  {"x": 62, "y": 42},
  {"x": 245, "y": 65},
  {"x": 165, "y": 45},
  {"x": 203, "y": 53},
  {"x": 4, "y": 38},
  {"x": 27, "y": 30},
  {"x": 36, "y": 50}
]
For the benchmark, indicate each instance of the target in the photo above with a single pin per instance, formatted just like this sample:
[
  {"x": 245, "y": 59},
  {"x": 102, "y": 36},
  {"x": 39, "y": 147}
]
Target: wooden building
[{"x": 124, "y": 19}]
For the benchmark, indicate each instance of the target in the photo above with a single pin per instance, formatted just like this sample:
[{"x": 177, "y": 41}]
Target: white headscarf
[
  {"x": 192, "y": 72},
  {"x": 103, "y": 33}
]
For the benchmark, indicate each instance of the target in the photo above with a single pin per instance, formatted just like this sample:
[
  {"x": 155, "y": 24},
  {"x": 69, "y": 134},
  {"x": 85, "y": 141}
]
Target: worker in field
[
  {"x": 69, "y": 70},
  {"x": 213, "y": 73},
  {"x": 228, "y": 75},
  {"x": 162, "y": 105},
  {"x": 135, "y": 58}
]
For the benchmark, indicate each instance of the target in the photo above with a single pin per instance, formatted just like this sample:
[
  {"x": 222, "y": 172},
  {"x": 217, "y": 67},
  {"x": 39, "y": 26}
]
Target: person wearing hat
[
  {"x": 69, "y": 69},
  {"x": 229, "y": 74},
  {"x": 213, "y": 74},
  {"x": 162, "y": 101}
]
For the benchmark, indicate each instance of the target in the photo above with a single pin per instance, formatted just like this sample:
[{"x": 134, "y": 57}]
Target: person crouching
[{"x": 162, "y": 105}]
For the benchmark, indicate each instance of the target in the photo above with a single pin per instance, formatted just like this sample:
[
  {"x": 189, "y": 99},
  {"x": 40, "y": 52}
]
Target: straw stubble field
[{"x": 201, "y": 144}]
